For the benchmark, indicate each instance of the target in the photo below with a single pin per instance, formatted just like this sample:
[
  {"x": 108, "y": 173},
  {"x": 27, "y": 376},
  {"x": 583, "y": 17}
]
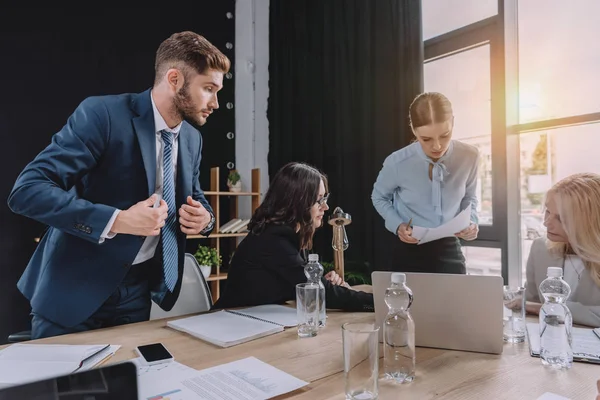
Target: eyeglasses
[{"x": 323, "y": 200}]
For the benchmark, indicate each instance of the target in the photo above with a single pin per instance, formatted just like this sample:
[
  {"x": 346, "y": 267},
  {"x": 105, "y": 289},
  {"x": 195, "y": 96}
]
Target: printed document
[
  {"x": 245, "y": 379},
  {"x": 449, "y": 229}
]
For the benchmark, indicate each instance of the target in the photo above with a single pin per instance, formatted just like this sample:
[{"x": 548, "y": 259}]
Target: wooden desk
[{"x": 441, "y": 374}]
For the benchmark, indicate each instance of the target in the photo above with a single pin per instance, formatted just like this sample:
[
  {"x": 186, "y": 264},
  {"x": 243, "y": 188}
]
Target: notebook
[
  {"x": 586, "y": 343},
  {"x": 22, "y": 362},
  {"x": 227, "y": 328}
]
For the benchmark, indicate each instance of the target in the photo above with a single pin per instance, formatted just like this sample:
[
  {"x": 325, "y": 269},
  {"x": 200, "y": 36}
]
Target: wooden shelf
[
  {"x": 212, "y": 193},
  {"x": 215, "y": 196},
  {"x": 217, "y": 235},
  {"x": 217, "y": 277}
]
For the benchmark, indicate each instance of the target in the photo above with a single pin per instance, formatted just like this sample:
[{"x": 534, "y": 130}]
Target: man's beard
[{"x": 185, "y": 107}]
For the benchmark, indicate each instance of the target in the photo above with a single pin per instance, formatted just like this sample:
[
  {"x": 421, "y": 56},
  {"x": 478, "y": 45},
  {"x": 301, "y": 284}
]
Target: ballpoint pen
[{"x": 409, "y": 225}]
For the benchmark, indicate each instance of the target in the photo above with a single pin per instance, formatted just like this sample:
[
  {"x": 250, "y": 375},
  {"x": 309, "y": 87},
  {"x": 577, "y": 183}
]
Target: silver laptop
[{"x": 451, "y": 311}]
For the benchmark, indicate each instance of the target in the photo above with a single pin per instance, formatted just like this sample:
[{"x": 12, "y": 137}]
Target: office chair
[
  {"x": 19, "y": 337},
  {"x": 194, "y": 297},
  {"x": 195, "y": 294}
]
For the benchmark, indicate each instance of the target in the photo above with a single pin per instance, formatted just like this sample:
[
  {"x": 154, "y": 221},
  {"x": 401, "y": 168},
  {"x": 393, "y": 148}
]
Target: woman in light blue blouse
[{"x": 427, "y": 183}]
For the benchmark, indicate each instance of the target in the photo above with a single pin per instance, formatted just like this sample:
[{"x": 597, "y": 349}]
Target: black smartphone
[{"x": 154, "y": 353}]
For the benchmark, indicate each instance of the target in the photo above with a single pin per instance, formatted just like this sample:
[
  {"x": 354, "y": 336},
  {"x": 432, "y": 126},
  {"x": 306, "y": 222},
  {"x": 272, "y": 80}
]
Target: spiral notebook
[
  {"x": 228, "y": 328},
  {"x": 585, "y": 343}
]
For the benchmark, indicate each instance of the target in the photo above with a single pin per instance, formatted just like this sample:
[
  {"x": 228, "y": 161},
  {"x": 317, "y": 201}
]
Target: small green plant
[
  {"x": 234, "y": 177},
  {"x": 208, "y": 256},
  {"x": 350, "y": 276}
]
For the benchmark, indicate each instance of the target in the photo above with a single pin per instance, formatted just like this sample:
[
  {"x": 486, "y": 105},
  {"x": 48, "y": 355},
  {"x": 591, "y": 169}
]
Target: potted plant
[
  {"x": 234, "y": 182},
  {"x": 207, "y": 257}
]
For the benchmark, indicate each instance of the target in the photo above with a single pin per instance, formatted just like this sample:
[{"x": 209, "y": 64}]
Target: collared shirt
[
  {"x": 404, "y": 190},
  {"x": 149, "y": 246}
]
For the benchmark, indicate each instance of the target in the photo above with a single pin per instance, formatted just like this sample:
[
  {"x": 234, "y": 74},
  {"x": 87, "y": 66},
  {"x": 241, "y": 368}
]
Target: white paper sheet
[
  {"x": 551, "y": 396},
  {"x": 449, "y": 229},
  {"x": 246, "y": 379},
  {"x": 276, "y": 313},
  {"x": 21, "y": 363}
]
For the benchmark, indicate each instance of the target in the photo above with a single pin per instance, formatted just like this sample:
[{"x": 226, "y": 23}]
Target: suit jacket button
[{"x": 126, "y": 265}]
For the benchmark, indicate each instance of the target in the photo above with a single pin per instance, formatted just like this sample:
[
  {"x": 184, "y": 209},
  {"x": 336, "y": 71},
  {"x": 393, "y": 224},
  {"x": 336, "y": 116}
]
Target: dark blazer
[
  {"x": 103, "y": 158},
  {"x": 266, "y": 269}
]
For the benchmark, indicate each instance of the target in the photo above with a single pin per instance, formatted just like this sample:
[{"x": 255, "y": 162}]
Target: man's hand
[
  {"x": 469, "y": 233},
  {"x": 193, "y": 217},
  {"x": 142, "y": 219}
]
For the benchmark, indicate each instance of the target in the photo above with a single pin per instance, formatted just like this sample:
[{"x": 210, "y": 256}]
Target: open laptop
[
  {"x": 116, "y": 381},
  {"x": 451, "y": 311}
]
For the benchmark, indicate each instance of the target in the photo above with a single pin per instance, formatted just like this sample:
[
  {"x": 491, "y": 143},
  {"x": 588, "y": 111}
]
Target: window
[
  {"x": 483, "y": 260},
  {"x": 559, "y": 58},
  {"x": 442, "y": 16},
  {"x": 547, "y": 157},
  {"x": 465, "y": 79}
]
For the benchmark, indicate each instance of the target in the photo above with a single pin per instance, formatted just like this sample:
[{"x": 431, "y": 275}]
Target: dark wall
[{"x": 50, "y": 64}]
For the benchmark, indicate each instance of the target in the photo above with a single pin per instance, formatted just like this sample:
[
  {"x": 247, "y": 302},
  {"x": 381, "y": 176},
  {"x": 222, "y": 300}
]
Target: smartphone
[{"x": 154, "y": 353}]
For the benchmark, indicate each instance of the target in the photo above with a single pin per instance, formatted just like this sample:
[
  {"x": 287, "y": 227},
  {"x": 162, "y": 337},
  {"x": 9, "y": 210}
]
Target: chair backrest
[{"x": 195, "y": 294}]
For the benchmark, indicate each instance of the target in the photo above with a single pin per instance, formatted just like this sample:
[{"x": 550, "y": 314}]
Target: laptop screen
[{"x": 118, "y": 381}]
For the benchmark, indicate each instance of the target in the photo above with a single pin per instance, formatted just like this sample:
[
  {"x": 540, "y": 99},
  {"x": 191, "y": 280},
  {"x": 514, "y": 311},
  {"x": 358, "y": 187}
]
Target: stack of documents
[{"x": 22, "y": 363}]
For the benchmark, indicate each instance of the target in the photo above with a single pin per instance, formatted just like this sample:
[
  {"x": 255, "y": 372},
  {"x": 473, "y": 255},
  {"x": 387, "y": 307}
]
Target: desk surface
[{"x": 441, "y": 374}]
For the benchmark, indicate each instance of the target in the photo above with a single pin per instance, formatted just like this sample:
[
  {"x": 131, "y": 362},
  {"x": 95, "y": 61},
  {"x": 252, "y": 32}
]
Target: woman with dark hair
[
  {"x": 428, "y": 183},
  {"x": 269, "y": 262}
]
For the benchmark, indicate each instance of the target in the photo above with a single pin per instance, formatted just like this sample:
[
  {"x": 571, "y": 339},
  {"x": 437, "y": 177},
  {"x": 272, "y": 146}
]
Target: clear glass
[
  {"x": 441, "y": 16},
  {"x": 465, "y": 79},
  {"x": 483, "y": 260},
  {"x": 559, "y": 58},
  {"x": 514, "y": 314},
  {"x": 547, "y": 157},
  {"x": 361, "y": 360},
  {"x": 307, "y": 309}
]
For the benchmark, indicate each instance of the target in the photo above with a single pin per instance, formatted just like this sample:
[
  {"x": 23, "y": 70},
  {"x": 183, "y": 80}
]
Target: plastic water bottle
[
  {"x": 556, "y": 322},
  {"x": 399, "y": 332},
  {"x": 314, "y": 272}
]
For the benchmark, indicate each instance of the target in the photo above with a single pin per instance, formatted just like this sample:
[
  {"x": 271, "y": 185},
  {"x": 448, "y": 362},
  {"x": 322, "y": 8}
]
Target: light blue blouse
[{"x": 403, "y": 189}]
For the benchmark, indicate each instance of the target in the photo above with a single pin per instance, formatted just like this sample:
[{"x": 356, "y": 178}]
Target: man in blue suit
[{"x": 119, "y": 189}]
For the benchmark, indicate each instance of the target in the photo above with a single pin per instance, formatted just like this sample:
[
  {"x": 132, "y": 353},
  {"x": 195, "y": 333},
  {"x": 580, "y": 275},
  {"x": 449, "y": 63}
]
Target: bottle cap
[
  {"x": 398, "y": 277},
  {"x": 313, "y": 257},
  {"x": 554, "y": 272}
]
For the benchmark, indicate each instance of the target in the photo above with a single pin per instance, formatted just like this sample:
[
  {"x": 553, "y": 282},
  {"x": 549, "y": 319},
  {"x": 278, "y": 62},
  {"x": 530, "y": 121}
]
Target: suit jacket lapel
[
  {"x": 184, "y": 161},
  {"x": 146, "y": 134}
]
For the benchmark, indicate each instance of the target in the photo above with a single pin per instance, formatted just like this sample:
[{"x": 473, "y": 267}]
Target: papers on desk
[
  {"x": 586, "y": 345},
  {"x": 21, "y": 363},
  {"x": 551, "y": 396},
  {"x": 231, "y": 327},
  {"x": 449, "y": 229},
  {"x": 246, "y": 379}
]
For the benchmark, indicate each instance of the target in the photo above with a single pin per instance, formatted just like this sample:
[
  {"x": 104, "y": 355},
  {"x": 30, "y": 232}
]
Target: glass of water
[
  {"x": 514, "y": 314},
  {"x": 361, "y": 360},
  {"x": 307, "y": 309}
]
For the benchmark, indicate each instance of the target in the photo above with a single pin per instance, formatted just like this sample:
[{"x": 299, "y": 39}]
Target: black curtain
[
  {"x": 342, "y": 75},
  {"x": 51, "y": 60}
]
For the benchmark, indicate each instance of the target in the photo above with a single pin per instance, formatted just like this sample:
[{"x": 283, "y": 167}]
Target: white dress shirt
[{"x": 149, "y": 246}]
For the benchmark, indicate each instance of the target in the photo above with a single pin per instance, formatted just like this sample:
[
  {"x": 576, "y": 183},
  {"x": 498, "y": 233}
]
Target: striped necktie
[{"x": 169, "y": 231}]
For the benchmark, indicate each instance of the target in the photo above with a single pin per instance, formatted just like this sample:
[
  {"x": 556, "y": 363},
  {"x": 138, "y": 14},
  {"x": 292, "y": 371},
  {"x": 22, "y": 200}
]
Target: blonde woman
[{"x": 572, "y": 219}]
